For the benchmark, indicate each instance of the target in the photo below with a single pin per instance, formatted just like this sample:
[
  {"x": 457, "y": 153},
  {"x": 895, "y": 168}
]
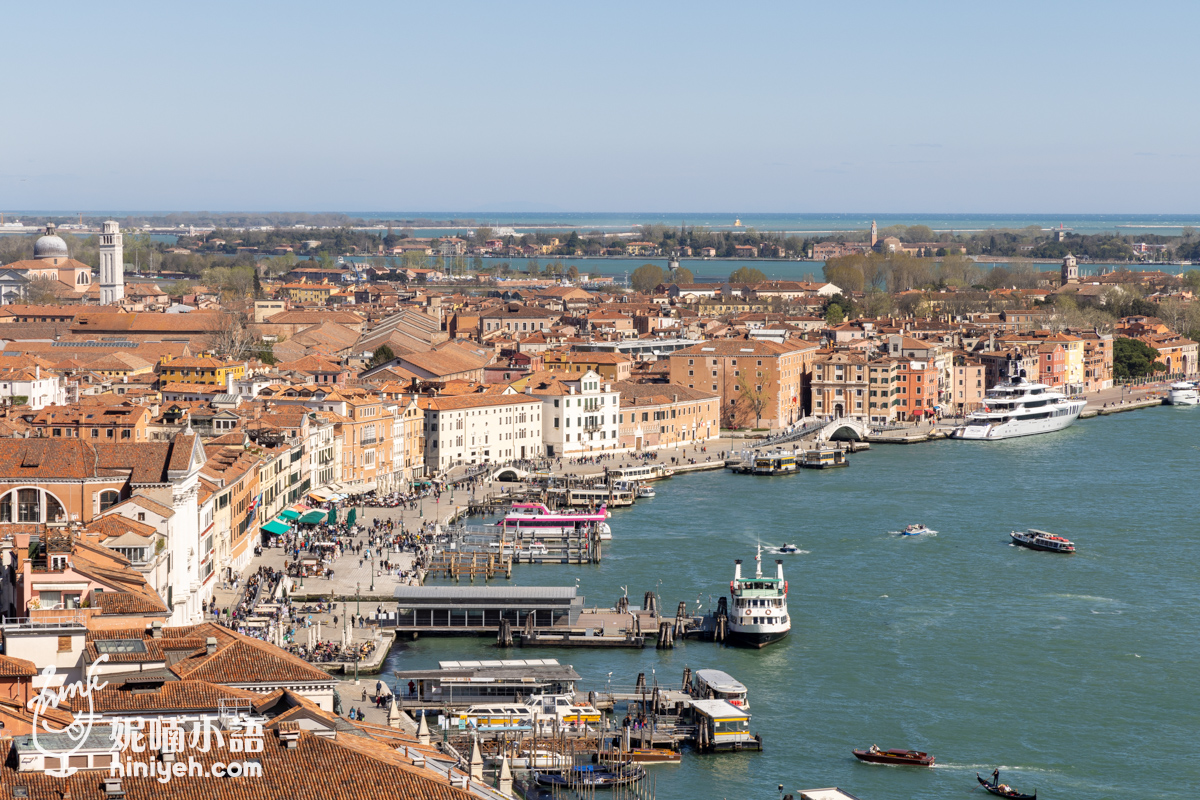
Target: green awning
[
  {"x": 313, "y": 517},
  {"x": 276, "y": 527},
  {"x": 290, "y": 515}
]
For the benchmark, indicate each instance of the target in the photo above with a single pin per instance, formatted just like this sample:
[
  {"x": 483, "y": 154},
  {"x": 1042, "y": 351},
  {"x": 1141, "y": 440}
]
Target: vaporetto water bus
[{"x": 758, "y": 615}]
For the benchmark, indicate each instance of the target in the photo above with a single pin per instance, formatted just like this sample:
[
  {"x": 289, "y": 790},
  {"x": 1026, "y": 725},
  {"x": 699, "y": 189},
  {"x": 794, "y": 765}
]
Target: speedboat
[
  {"x": 1041, "y": 540},
  {"x": 1183, "y": 393},
  {"x": 916, "y": 529},
  {"x": 645, "y": 491},
  {"x": 788, "y": 549},
  {"x": 899, "y": 758},
  {"x": 1020, "y": 408}
]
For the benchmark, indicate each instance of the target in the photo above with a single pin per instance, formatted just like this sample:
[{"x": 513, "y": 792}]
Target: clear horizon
[{"x": 543, "y": 108}]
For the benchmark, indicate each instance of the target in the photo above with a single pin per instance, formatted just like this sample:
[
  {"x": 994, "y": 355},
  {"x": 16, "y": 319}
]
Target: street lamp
[
  {"x": 372, "y": 572},
  {"x": 357, "y": 598}
]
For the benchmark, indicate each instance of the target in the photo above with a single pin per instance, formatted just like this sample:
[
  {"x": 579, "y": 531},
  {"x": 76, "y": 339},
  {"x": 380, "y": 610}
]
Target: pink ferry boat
[{"x": 537, "y": 517}]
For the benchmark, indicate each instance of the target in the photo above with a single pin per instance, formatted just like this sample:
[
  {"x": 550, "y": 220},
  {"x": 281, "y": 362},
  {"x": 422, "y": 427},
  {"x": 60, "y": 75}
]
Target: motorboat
[
  {"x": 1004, "y": 790},
  {"x": 899, "y": 758},
  {"x": 1183, "y": 393},
  {"x": 1041, "y": 540},
  {"x": 787, "y": 550},
  {"x": 645, "y": 492},
  {"x": 916, "y": 530},
  {"x": 759, "y": 615},
  {"x": 1020, "y": 408}
]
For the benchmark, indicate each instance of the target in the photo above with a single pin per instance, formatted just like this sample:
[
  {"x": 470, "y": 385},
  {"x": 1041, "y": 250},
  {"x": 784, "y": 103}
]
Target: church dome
[{"x": 50, "y": 245}]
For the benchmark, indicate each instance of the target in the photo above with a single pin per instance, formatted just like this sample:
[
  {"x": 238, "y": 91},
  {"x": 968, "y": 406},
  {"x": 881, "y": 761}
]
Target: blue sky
[{"x": 787, "y": 107}]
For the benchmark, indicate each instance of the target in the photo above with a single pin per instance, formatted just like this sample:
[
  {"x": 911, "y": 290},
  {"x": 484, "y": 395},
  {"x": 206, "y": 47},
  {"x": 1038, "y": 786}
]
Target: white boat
[
  {"x": 916, "y": 530},
  {"x": 1042, "y": 540},
  {"x": 536, "y": 517},
  {"x": 645, "y": 492},
  {"x": 1020, "y": 408},
  {"x": 1183, "y": 393},
  {"x": 759, "y": 615}
]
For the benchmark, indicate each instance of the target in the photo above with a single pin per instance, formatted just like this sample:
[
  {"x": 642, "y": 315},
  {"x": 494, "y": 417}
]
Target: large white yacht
[
  {"x": 1020, "y": 408},
  {"x": 759, "y": 614},
  {"x": 1183, "y": 393}
]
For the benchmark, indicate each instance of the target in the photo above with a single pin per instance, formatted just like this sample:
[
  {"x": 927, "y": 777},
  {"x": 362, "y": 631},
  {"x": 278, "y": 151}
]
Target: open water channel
[{"x": 1076, "y": 674}]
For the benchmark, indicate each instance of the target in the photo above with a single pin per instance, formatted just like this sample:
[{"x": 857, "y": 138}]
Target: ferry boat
[
  {"x": 1041, "y": 540},
  {"x": 778, "y": 462},
  {"x": 759, "y": 614},
  {"x": 537, "y": 517},
  {"x": 561, "y": 708},
  {"x": 719, "y": 685},
  {"x": 642, "y": 472},
  {"x": 1183, "y": 393},
  {"x": 1020, "y": 408}
]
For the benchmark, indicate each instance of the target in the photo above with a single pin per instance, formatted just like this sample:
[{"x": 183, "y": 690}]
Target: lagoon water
[{"x": 1076, "y": 675}]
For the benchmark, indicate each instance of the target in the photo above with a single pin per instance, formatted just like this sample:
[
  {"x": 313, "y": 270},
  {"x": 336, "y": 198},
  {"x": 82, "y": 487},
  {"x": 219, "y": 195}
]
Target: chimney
[
  {"x": 737, "y": 569},
  {"x": 779, "y": 568},
  {"x": 156, "y": 629},
  {"x": 37, "y": 371},
  {"x": 112, "y": 788},
  {"x": 210, "y": 645}
]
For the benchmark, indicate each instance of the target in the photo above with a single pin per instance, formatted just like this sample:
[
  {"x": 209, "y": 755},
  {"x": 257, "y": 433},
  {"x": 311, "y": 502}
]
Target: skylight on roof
[{"x": 113, "y": 646}]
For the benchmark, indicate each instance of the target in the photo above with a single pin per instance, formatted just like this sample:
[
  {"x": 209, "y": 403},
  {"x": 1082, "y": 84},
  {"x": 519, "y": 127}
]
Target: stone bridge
[
  {"x": 509, "y": 474},
  {"x": 844, "y": 429}
]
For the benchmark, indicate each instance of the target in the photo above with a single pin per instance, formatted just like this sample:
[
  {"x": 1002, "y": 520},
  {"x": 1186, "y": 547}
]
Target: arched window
[
  {"x": 108, "y": 499},
  {"x": 31, "y": 505}
]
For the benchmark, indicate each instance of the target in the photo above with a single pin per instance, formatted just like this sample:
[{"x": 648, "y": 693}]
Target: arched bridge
[
  {"x": 843, "y": 429},
  {"x": 509, "y": 474}
]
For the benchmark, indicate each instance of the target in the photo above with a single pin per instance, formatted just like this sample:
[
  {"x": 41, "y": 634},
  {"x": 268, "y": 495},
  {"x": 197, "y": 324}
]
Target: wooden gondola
[
  {"x": 900, "y": 758},
  {"x": 1004, "y": 790},
  {"x": 591, "y": 776}
]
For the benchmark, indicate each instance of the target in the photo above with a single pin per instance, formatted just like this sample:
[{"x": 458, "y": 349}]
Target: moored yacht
[
  {"x": 758, "y": 615},
  {"x": 1020, "y": 408},
  {"x": 1183, "y": 393}
]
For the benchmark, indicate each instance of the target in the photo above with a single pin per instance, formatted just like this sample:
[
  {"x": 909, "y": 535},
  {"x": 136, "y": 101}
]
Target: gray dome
[{"x": 50, "y": 246}]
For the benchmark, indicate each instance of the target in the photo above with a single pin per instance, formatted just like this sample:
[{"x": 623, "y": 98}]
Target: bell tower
[
  {"x": 112, "y": 264},
  {"x": 874, "y": 233},
  {"x": 1070, "y": 270}
]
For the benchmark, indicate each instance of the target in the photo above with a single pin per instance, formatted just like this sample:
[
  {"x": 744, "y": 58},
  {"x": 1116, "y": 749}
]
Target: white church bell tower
[{"x": 112, "y": 264}]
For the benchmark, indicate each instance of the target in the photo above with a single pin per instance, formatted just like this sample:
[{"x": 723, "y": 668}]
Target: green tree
[
  {"x": 382, "y": 355},
  {"x": 747, "y": 275},
  {"x": 834, "y": 315},
  {"x": 646, "y": 277},
  {"x": 1133, "y": 358},
  {"x": 682, "y": 275}
]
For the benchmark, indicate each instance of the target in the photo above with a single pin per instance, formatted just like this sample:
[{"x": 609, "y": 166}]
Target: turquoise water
[{"x": 1075, "y": 674}]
